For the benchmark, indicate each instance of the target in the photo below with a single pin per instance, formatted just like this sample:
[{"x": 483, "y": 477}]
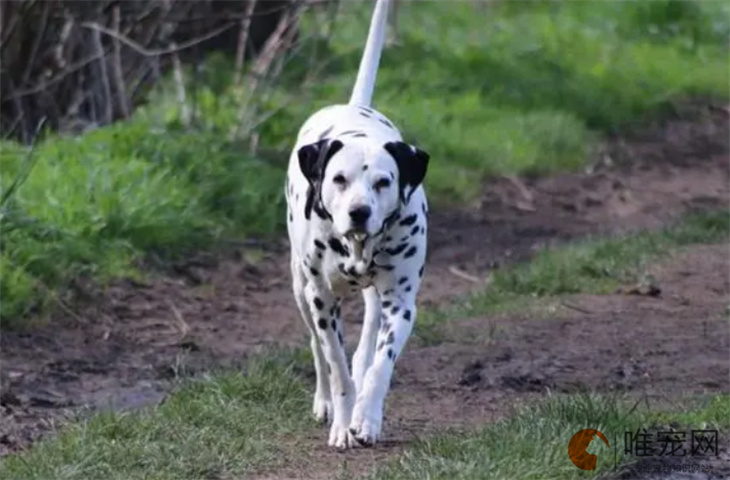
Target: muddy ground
[{"x": 121, "y": 346}]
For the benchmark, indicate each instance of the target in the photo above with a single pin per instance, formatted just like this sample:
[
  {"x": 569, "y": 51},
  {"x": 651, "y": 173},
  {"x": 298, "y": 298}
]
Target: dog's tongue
[{"x": 361, "y": 264}]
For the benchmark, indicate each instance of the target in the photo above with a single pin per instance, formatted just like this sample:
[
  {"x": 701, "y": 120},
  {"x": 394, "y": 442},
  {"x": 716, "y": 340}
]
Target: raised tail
[{"x": 362, "y": 93}]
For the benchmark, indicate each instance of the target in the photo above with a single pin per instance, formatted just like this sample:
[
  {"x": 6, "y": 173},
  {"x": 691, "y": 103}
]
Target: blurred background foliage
[{"x": 487, "y": 87}]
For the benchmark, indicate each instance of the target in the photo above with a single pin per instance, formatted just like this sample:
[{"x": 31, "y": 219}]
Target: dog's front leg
[
  {"x": 363, "y": 357},
  {"x": 398, "y": 315},
  {"x": 325, "y": 309}
]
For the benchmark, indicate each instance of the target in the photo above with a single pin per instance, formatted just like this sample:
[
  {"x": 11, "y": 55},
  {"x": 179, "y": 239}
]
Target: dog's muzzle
[{"x": 359, "y": 217}]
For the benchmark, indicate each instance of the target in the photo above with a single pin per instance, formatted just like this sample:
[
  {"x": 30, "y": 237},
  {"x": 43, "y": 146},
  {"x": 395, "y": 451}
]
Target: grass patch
[
  {"x": 216, "y": 427},
  {"x": 520, "y": 87},
  {"x": 517, "y": 87},
  {"x": 596, "y": 266},
  {"x": 533, "y": 443}
]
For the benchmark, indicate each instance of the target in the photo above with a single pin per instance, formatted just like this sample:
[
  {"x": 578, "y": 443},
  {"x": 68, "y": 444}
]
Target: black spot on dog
[
  {"x": 423, "y": 209},
  {"x": 405, "y": 238},
  {"x": 360, "y": 135},
  {"x": 388, "y": 291},
  {"x": 411, "y": 251},
  {"x": 407, "y": 315},
  {"x": 322, "y": 324},
  {"x": 334, "y": 325},
  {"x": 341, "y": 268},
  {"x": 337, "y": 311},
  {"x": 326, "y": 132},
  {"x": 420, "y": 271},
  {"x": 402, "y": 280},
  {"x": 387, "y": 267},
  {"x": 423, "y": 230},
  {"x": 387, "y": 303},
  {"x": 340, "y": 338},
  {"x": 364, "y": 168},
  {"x": 329, "y": 369},
  {"x": 313, "y": 271},
  {"x": 396, "y": 250},
  {"x": 409, "y": 220},
  {"x": 390, "y": 339},
  {"x": 391, "y": 354},
  {"x": 320, "y": 211},
  {"x": 366, "y": 109},
  {"x": 414, "y": 230},
  {"x": 350, "y": 132},
  {"x": 319, "y": 245},
  {"x": 291, "y": 217},
  {"x": 408, "y": 288},
  {"x": 394, "y": 310},
  {"x": 385, "y": 326},
  {"x": 318, "y": 303},
  {"x": 387, "y": 238},
  {"x": 352, "y": 271},
  {"x": 364, "y": 114},
  {"x": 319, "y": 255},
  {"x": 337, "y": 247},
  {"x": 380, "y": 346},
  {"x": 386, "y": 122}
]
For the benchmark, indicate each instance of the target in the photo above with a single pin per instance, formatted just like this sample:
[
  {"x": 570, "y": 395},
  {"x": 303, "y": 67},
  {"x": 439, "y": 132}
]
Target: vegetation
[
  {"x": 232, "y": 423},
  {"x": 515, "y": 88},
  {"x": 533, "y": 443},
  {"x": 596, "y": 266}
]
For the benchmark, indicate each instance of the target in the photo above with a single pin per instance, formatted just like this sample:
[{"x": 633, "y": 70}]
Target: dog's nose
[{"x": 360, "y": 215}]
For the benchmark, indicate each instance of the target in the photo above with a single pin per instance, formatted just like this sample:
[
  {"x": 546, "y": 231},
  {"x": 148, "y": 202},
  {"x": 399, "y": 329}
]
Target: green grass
[
  {"x": 234, "y": 424},
  {"x": 523, "y": 87},
  {"x": 216, "y": 427},
  {"x": 526, "y": 86},
  {"x": 596, "y": 266},
  {"x": 533, "y": 443}
]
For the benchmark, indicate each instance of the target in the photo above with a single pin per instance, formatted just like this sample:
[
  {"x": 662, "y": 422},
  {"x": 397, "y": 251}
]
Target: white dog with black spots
[{"x": 357, "y": 220}]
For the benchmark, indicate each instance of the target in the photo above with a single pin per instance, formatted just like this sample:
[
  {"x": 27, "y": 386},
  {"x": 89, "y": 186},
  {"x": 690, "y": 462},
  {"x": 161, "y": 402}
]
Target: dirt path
[
  {"x": 658, "y": 347},
  {"x": 124, "y": 344}
]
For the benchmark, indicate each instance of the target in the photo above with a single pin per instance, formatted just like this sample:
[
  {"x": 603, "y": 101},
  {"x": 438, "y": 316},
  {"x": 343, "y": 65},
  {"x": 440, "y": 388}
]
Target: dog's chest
[{"x": 339, "y": 266}]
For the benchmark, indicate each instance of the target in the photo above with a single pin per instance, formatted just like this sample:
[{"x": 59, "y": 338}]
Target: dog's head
[{"x": 361, "y": 183}]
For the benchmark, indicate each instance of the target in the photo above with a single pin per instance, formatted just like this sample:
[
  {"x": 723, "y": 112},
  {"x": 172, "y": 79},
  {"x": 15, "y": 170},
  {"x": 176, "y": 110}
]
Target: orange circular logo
[{"x": 578, "y": 445}]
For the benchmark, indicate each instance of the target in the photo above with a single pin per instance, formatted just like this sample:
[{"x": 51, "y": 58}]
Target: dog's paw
[
  {"x": 322, "y": 409},
  {"x": 365, "y": 429},
  {"x": 340, "y": 437}
]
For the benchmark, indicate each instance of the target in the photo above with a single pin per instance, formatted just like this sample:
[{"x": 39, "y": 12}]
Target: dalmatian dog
[{"x": 356, "y": 216}]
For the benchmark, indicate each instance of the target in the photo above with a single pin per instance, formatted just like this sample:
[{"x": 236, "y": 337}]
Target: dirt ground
[{"x": 121, "y": 346}]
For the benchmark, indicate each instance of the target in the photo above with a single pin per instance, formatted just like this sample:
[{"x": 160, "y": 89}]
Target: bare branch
[
  {"x": 180, "y": 89},
  {"x": 119, "y": 85},
  {"x": 155, "y": 53},
  {"x": 243, "y": 41},
  {"x": 106, "y": 93}
]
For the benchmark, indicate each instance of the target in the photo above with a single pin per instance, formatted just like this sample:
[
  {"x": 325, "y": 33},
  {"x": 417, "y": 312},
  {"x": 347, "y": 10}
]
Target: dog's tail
[{"x": 362, "y": 93}]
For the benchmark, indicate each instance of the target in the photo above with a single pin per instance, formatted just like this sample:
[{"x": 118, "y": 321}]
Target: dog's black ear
[
  {"x": 313, "y": 158},
  {"x": 412, "y": 165}
]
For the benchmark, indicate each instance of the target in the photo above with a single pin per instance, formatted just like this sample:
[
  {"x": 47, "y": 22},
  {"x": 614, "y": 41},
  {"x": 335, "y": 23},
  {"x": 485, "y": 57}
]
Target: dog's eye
[
  {"x": 339, "y": 179},
  {"x": 382, "y": 183}
]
